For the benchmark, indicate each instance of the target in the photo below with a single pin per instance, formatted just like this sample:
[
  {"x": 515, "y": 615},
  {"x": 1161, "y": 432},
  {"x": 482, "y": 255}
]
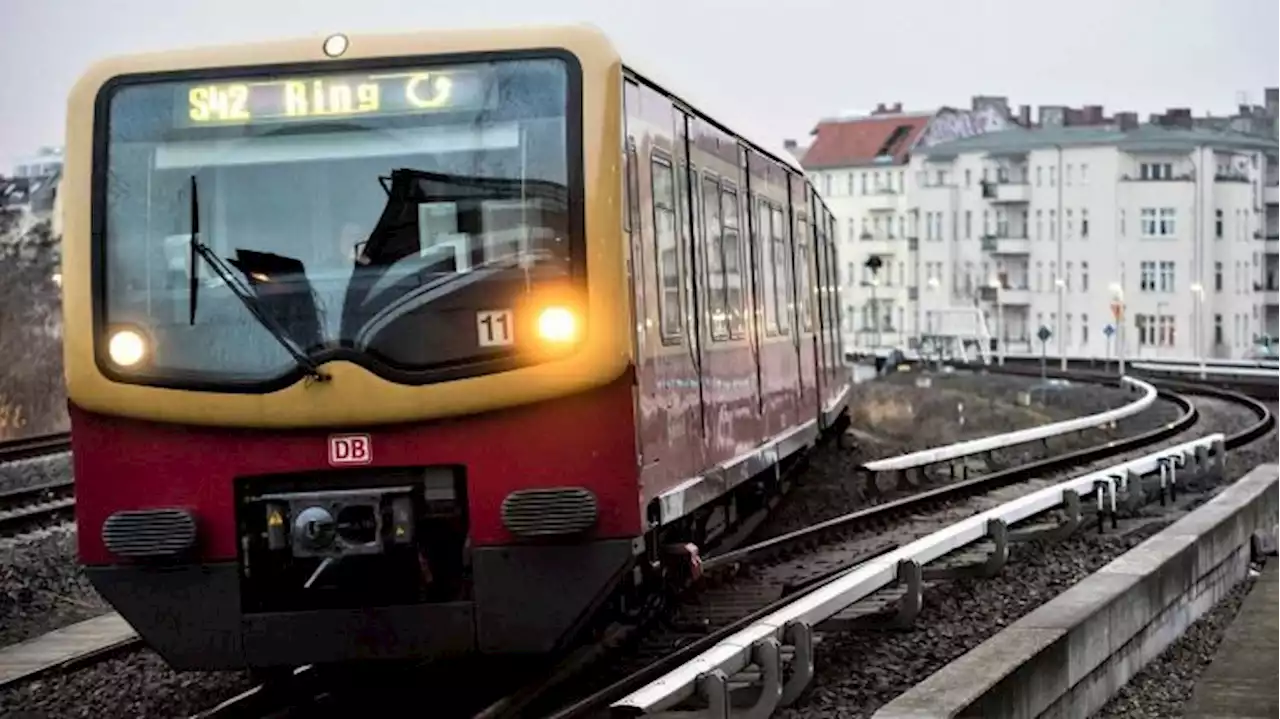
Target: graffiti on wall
[{"x": 950, "y": 124}]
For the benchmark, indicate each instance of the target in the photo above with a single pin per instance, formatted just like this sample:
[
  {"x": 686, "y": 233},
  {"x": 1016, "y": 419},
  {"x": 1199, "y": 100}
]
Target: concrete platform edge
[{"x": 1070, "y": 655}]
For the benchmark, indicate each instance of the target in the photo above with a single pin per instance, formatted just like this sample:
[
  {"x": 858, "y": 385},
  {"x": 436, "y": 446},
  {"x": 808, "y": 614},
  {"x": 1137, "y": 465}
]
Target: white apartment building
[
  {"x": 860, "y": 166},
  {"x": 1174, "y": 230}
]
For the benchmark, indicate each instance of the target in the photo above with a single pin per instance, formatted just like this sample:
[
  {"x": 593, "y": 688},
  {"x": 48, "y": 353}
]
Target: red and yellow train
[{"x": 423, "y": 344}]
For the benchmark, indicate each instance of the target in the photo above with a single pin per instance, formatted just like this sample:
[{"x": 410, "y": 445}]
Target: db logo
[{"x": 350, "y": 449}]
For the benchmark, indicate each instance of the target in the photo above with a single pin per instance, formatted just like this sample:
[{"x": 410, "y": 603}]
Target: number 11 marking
[{"x": 494, "y": 328}]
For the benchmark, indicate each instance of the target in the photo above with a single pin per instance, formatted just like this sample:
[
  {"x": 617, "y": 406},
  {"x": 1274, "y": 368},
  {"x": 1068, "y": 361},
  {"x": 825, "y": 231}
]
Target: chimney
[
  {"x": 1092, "y": 114},
  {"x": 1127, "y": 121},
  {"x": 897, "y": 107},
  {"x": 789, "y": 145},
  {"x": 1024, "y": 115},
  {"x": 880, "y": 109}
]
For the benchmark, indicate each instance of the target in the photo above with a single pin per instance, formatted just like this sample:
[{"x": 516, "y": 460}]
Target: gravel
[
  {"x": 41, "y": 588},
  {"x": 138, "y": 685},
  {"x": 1166, "y": 684},
  {"x": 860, "y": 671}
]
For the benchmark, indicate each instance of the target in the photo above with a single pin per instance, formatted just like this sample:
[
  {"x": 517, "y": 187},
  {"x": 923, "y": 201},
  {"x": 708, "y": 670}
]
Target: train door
[
  {"x": 803, "y": 313},
  {"x": 754, "y": 309},
  {"x": 695, "y": 302}
]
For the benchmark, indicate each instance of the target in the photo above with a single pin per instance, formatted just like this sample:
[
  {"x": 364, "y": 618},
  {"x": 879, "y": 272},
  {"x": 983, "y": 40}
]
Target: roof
[
  {"x": 1144, "y": 138},
  {"x": 874, "y": 140},
  {"x": 648, "y": 66}
]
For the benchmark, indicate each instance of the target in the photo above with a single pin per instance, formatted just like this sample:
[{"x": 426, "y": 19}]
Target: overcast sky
[{"x": 831, "y": 55}]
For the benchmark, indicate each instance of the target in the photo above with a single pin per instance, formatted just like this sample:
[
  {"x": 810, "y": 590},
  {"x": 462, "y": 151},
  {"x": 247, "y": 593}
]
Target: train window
[
  {"x": 633, "y": 183},
  {"x": 781, "y": 275},
  {"x": 733, "y": 280},
  {"x": 802, "y": 273},
  {"x": 670, "y": 321},
  {"x": 717, "y": 301},
  {"x": 761, "y": 245},
  {"x": 628, "y": 184}
]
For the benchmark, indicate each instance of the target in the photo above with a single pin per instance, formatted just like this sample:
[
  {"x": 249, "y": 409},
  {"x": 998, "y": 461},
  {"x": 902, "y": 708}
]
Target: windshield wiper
[{"x": 245, "y": 295}]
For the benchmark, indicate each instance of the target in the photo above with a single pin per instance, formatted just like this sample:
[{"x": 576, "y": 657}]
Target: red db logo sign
[{"x": 350, "y": 449}]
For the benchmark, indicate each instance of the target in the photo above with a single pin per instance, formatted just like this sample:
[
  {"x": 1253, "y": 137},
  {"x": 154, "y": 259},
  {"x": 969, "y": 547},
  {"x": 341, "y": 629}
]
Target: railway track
[
  {"x": 743, "y": 584},
  {"x": 32, "y": 508},
  {"x": 27, "y": 509},
  {"x": 834, "y": 548}
]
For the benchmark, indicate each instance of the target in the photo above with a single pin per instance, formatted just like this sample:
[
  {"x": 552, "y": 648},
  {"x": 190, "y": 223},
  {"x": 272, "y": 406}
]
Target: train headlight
[
  {"x": 127, "y": 348},
  {"x": 558, "y": 325},
  {"x": 335, "y": 45}
]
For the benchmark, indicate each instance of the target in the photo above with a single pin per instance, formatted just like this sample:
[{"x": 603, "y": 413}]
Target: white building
[
  {"x": 1058, "y": 227},
  {"x": 859, "y": 165},
  {"x": 47, "y": 162}
]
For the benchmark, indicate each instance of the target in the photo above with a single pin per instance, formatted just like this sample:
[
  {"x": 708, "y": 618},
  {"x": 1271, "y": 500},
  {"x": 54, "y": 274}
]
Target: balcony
[
  {"x": 1231, "y": 176},
  {"x": 882, "y": 200},
  {"x": 1006, "y": 192},
  {"x": 881, "y": 244},
  {"x": 1270, "y": 242},
  {"x": 1006, "y": 296},
  {"x": 1006, "y": 244},
  {"x": 1271, "y": 194},
  {"x": 1015, "y": 296}
]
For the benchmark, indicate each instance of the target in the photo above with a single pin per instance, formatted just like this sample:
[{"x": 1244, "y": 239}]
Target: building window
[
  {"x": 1217, "y": 329},
  {"x": 1066, "y": 277},
  {"x": 1084, "y": 174},
  {"x": 1053, "y": 223},
  {"x": 1158, "y": 222},
  {"x": 1147, "y": 276},
  {"x": 862, "y": 181},
  {"x": 1066, "y": 177},
  {"x": 1039, "y": 277},
  {"x": 1038, "y": 174},
  {"x": 1084, "y": 276},
  {"x": 1084, "y": 221},
  {"x": 1084, "y": 319},
  {"x": 1218, "y": 222},
  {"x": 1068, "y": 226},
  {"x": 968, "y": 222},
  {"x": 1155, "y": 171},
  {"x": 1053, "y": 175},
  {"x": 1217, "y": 277},
  {"x": 968, "y": 177},
  {"x": 826, "y": 185},
  {"x": 1039, "y": 224},
  {"x": 1166, "y": 277},
  {"x": 1165, "y": 336},
  {"x": 1122, "y": 224}
]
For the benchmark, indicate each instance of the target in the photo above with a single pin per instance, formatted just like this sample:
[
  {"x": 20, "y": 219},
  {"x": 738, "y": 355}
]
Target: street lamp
[
  {"x": 994, "y": 283},
  {"x": 1197, "y": 298},
  {"x": 1061, "y": 284}
]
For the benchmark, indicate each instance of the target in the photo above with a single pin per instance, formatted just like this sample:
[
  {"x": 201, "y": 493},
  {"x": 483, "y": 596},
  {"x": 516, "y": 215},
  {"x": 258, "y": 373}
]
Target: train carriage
[{"x": 424, "y": 344}]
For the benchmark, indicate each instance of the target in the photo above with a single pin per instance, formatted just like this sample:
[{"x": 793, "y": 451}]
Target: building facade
[
  {"x": 860, "y": 166},
  {"x": 1163, "y": 239}
]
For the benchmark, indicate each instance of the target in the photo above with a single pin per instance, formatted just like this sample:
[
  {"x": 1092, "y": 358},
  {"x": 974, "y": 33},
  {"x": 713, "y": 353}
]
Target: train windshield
[{"x": 405, "y": 219}]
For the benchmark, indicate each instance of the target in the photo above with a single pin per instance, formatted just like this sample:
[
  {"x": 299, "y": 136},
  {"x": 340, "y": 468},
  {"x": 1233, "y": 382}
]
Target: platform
[
  {"x": 1241, "y": 682},
  {"x": 60, "y": 647}
]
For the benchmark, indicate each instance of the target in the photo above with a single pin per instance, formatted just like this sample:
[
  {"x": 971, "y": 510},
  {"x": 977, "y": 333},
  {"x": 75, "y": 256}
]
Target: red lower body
[{"x": 205, "y": 610}]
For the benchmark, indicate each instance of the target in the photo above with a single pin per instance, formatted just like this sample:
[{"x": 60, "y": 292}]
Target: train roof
[{"x": 644, "y": 68}]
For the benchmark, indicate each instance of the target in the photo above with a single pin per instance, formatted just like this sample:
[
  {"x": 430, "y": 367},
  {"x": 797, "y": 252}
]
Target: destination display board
[{"x": 313, "y": 97}]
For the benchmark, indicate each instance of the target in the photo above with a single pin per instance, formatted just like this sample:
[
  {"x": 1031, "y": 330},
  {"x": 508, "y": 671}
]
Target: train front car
[{"x": 347, "y": 345}]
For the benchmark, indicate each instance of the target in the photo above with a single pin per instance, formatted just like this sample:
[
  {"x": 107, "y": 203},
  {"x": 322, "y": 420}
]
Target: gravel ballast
[
  {"x": 41, "y": 589},
  {"x": 1165, "y": 685}
]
